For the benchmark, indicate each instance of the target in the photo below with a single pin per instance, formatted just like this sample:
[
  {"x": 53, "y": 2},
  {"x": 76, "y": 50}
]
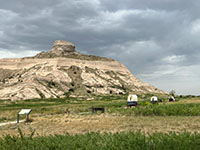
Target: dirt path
[{"x": 9, "y": 123}]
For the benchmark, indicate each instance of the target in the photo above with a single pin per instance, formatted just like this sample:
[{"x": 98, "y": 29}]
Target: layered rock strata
[{"x": 63, "y": 72}]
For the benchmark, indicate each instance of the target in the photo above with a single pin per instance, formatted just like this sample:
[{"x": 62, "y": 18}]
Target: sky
[{"x": 158, "y": 40}]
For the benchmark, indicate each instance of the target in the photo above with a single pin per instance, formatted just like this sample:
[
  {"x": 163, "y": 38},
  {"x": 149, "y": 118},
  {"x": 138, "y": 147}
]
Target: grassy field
[
  {"x": 73, "y": 116},
  {"x": 40, "y": 107},
  {"x": 106, "y": 141},
  {"x": 113, "y": 104}
]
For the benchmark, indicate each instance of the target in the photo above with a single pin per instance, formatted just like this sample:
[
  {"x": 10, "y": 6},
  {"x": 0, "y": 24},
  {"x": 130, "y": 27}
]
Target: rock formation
[
  {"x": 60, "y": 49},
  {"x": 67, "y": 50},
  {"x": 64, "y": 72},
  {"x": 61, "y": 46}
]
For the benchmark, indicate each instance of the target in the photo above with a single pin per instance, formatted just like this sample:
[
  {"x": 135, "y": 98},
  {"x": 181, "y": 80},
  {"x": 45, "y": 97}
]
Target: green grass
[
  {"x": 163, "y": 109},
  {"x": 106, "y": 141},
  {"x": 190, "y": 109},
  {"x": 8, "y": 109},
  {"x": 115, "y": 104}
]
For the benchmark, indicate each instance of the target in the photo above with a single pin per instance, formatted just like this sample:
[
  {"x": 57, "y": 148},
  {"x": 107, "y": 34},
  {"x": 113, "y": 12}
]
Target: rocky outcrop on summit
[
  {"x": 67, "y": 49},
  {"x": 60, "y": 49},
  {"x": 64, "y": 72},
  {"x": 60, "y": 46}
]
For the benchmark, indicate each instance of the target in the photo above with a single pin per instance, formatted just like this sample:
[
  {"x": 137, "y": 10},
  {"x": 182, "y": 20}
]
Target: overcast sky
[{"x": 158, "y": 40}]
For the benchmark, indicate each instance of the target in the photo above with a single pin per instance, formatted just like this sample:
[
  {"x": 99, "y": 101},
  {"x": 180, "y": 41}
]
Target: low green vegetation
[
  {"x": 169, "y": 110},
  {"x": 162, "y": 109},
  {"x": 113, "y": 104},
  {"x": 106, "y": 141}
]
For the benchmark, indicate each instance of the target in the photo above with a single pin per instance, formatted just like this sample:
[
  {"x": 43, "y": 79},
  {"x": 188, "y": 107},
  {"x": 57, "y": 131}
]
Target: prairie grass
[
  {"x": 113, "y": 104},
  {"x": 108, "y": 141},
  {"x": 66, "y": 123},
  {"x": 46, "y": 125}
]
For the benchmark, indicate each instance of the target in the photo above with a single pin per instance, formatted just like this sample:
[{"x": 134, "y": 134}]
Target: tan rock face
[
  {"x": 43, "y": 77},
  {"x": 62, "y": 47}
]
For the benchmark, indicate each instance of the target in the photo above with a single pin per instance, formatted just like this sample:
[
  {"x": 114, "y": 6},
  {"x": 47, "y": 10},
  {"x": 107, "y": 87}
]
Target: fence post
[{"x": 17, "y": 118}]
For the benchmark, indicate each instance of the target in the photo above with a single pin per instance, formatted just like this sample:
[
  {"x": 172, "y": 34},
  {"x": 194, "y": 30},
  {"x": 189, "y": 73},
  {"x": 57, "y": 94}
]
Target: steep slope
[{"x": 63, "y": 71}]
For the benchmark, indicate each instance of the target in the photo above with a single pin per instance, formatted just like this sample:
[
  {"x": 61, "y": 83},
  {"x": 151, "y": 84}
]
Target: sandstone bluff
[{"x": 65, "y": 72}]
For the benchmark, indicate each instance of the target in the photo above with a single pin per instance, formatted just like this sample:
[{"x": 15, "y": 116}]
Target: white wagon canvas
[{"x": 132, "y": 100}]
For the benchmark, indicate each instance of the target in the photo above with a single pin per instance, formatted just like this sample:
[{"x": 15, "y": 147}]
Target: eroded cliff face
[{"x": 62, "y": 72}]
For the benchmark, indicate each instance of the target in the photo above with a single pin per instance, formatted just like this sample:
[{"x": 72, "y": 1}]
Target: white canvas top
[
  {"x": 154, "y": 98},
  {"x": 172, "y": 97},
  {"x": 132, "y": 98},
  {"x": 25, "y": 111}
]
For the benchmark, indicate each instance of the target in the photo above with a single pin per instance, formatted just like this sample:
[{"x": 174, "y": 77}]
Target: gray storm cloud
[{"x": 157, "y": 40}]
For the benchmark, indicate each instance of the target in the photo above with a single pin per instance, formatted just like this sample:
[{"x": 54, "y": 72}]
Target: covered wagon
[
  {"x": 132, "y": 100},
  {"x": 172, "y": 99},
  {"x": 154, "y": 99}
]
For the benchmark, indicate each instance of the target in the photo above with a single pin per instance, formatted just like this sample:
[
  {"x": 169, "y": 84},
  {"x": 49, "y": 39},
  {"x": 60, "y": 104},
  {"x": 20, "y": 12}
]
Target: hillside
[{"x": 65, "y": 72}]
